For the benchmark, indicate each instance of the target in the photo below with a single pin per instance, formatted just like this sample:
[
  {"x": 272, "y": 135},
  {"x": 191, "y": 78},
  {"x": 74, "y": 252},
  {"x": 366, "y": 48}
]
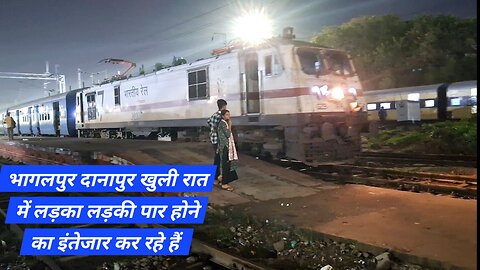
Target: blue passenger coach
[{"x": 53, "y": 115}]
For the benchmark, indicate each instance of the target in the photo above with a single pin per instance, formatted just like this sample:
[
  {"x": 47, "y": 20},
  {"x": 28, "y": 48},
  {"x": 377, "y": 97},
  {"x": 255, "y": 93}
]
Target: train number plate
[{"x": 321, "y": 106}]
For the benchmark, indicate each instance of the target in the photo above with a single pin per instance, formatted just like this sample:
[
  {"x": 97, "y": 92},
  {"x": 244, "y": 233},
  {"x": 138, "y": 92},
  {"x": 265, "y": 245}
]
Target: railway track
[
  {"x": 430, "y": 159},
  {"x": 446, "y": 184}
]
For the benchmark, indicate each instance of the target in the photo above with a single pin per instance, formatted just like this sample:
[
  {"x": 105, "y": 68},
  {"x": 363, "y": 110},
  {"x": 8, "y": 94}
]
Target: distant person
[
  {"x": 227, "y": 151},
  {"x": 382, "y": 114},
  {"x": 213, "y": 122},
  {"x": 10, "y": 125}
]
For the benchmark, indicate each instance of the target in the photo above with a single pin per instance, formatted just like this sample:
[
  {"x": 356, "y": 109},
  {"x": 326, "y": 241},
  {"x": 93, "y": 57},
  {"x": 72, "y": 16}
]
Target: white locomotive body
[{"x": 286, "y": 97}]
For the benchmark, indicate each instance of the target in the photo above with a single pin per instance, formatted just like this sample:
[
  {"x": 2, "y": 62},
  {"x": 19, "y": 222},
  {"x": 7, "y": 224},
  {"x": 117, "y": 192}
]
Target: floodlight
[{"x": 253, "y": 27}]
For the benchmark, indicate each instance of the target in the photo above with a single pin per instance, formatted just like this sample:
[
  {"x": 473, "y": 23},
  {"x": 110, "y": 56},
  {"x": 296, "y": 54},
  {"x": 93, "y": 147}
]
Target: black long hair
[{"x": 223, "y": 112}]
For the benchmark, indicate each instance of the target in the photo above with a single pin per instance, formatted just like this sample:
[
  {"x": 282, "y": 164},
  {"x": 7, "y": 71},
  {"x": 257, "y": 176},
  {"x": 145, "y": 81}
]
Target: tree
[
  {"x": 159, "y": 66},
  {"x": 389, "y": 52}
]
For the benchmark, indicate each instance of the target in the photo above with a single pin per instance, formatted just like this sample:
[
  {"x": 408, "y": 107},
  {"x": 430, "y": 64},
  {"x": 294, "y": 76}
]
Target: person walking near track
[{"x": 10, "y": 123}]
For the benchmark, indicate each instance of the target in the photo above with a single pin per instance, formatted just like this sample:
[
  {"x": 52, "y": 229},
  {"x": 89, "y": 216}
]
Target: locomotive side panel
[{"x": 181, "y": 96}]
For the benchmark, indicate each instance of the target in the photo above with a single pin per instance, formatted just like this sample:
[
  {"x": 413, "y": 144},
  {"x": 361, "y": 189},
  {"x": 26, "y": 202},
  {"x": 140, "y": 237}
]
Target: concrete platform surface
[{"x": 433, "y": 227}]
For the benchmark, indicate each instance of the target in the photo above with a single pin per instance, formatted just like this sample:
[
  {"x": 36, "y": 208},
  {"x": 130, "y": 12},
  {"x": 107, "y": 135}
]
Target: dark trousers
[
  {"x": 216, "y": 160},
  {"x": 228, "y": 175},
  {"x": 10, "y": 133}
]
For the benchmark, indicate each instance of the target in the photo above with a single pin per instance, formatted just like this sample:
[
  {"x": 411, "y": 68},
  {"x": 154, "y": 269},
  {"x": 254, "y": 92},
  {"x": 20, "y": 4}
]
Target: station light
[{"x": 253, "y": 27}]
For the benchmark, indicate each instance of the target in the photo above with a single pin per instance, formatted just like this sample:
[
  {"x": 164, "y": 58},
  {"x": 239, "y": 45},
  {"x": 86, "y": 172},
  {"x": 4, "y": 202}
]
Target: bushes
[{"x": 438, "y": 138}]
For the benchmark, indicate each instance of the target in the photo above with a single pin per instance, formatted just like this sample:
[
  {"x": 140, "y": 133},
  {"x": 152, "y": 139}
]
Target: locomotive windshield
[{"x": 320, "y": 62}]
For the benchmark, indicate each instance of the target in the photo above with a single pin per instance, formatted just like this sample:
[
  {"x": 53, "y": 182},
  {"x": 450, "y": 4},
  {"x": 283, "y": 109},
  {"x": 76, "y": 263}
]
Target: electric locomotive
[{"x": 287, "y": 98}]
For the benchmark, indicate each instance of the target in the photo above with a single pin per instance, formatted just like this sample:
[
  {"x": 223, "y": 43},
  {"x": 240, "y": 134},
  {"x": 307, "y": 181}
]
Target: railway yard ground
[{"x": 289, "y": 216}]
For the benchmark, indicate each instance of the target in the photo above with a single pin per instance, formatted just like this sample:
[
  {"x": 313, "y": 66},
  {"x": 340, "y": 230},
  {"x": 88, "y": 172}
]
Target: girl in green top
[{"x": 227, "y": 151}]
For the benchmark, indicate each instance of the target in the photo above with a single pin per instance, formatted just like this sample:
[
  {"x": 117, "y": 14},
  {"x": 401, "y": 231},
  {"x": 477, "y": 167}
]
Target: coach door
[
  {"x": 56, "y": 118},
  {"x": 91, "y": 106},
  {"x": 36, "y": 119},
  {"x": 30, "y": 120},
  {"x": 252, "y": 83}
]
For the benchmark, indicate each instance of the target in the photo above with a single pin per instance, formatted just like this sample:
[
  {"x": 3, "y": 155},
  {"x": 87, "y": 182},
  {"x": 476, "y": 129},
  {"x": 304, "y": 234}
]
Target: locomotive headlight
[
  {"x": 315, "y": 90},
  {"x": 320, "y": 90},
  {"x": 352, "y": 91},
  {"x": 324, "y": 90},
  {"x": 337, "y": 93}
]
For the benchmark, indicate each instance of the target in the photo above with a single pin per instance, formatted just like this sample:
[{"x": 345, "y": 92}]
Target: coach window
[
  {"x": 472, "y": 101},
  {"x": 456, "y": 102},
  {"x": 372, "y": 106},
  {"x": 116, "y": 93},
  {"x": 413, "y": 97},
  {"x": 473, "y": 92},
  {"x": 429, "y": 103},
  {"x": 197, "y": 84},
  {"x": 386, "y": 105}
]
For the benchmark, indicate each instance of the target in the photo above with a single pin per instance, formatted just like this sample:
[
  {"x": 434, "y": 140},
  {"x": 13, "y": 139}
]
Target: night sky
[{"x": 76, "y": 34}]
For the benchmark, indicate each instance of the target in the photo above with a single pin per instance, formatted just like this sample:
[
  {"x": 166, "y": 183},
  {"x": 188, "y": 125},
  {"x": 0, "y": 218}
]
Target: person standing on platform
[
  {"x": 10, "y": 125},
  {"x": 213, "y": 122},
  {"x": 227, "y": 151},
  {"x": 382, "y": 115}
]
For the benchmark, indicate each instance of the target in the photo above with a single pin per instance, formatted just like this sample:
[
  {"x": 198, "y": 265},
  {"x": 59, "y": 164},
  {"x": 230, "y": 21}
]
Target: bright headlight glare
[
  {"x": 315, "y": 89},
  {"x": 337, "y": 93},
  {"x": 352, "y": 91},
  {"x": 324, "y": 90}
]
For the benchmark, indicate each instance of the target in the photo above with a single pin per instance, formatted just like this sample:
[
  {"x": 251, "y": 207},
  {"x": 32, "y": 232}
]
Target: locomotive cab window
[
  {"x": 338, "y": 63},
  {"x": 116, "y": 94},
  {"x": 272, "y": 66},
  {"x": 311, "y": 61},
  {"x": 198, "y": 84},
  {"x": 268, "y": 65}
]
